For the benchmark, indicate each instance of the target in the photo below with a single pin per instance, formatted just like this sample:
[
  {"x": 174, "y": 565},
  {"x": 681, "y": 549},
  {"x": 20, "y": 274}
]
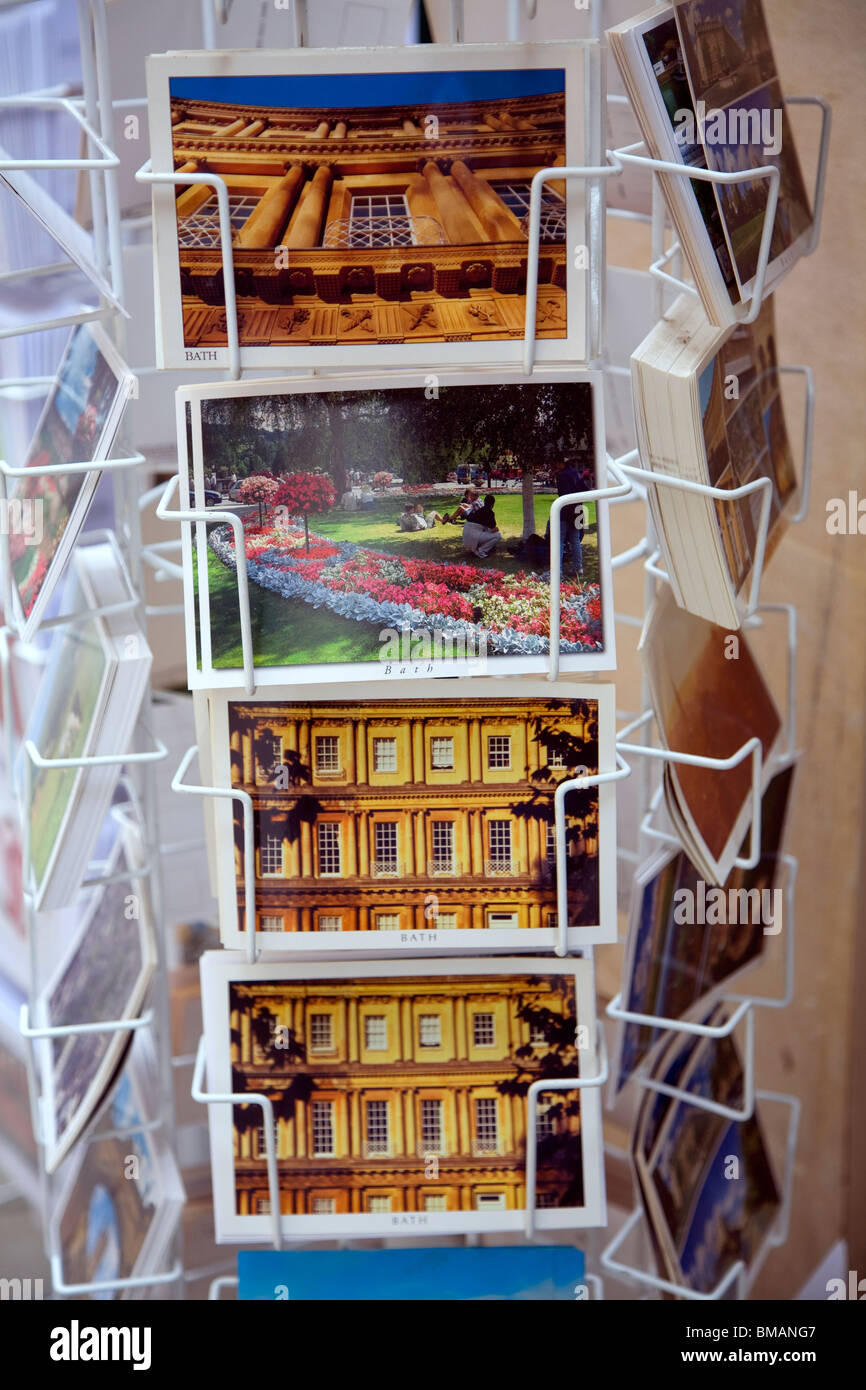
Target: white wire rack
[
  {"x": 630, "y": 483},
  {"x": 92, "y": 113}
]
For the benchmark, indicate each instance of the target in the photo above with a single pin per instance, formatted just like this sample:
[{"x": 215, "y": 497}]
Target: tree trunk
[{"x": 528, "y": 505}]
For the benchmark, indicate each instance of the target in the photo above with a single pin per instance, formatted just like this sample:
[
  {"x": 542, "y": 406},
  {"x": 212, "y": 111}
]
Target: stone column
[
  {"x": 352, "y": 1035},
  {"x": 304, "y": 742},
  {"x": 420, "y": 198},
  {"x": 410, "y": 868},
  {"x": 536, "y": 861},
  {"x": 418, "y": 772},
  {"x": 177, "y": 116},
  {"x": 518, "y": 1119},
  {"x": 266, "y": 223},
  {"x": 234, "y": 128},
  {"x": 477, "y": 861},
  {"x": 498, "y": 222},
  {"x": 301, "y": 1128},
  {"x": 254, "y": 128},
  {"x": 475, "y": 750},
  {"x": 406, "y": 1028},
  {"x": 420, "y": 845},
  {"x": 409, "y": 1119},
  {"x": 410, "y": 127},
  {"x": 307, "y": 857},
  {"x": 362, "y": 821},
  {"x": 454, "y": 212},
  {"x": 461, "y": 1044},
  {"x": 322, "y": 130},
  {"x": 349, "y": 750},
  {"x": 339, "y": 131},
  {"x": 307, "y": 227},
  {"x": 361, "y": 774},
  {"x": 356, "y": 1136},
  {"x": 522, "y": 847},
  {"x": 557, "y": 185},
  {"x": 350, "y": 834},
  {"x": 492, "y": 121},
  {"x": 464, "y": 1123}
]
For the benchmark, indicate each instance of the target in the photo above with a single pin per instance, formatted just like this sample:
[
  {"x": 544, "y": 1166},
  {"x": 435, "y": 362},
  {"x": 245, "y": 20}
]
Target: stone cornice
[
  {"x": 202, "y": 110},
  {"x": 328, "y": 150}
]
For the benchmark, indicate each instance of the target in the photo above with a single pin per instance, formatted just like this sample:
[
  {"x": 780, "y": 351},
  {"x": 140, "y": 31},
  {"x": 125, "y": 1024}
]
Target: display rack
[{"x": 622, "y": 479}]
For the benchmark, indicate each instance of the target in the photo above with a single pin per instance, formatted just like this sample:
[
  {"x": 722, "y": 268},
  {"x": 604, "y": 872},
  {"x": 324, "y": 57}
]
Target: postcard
[
  {"x": 707, "y": 1181},
  {"x": 703, "y": 82},
  {"x": 386, "y": 824},
  {"x": 103, "y": 975},
  {"x": 463, "y": 1273},
  {"x": 378, "y": 203},
  {"x": 400, "y": 1096},
  {"x": 733, "y": 80},
  {"x": 707, "y": 705},
  {"x": 78, "y": 424},
  {"x": 687, "y": 939},
  {"x": 88, "y": 704},
  {"x": 394, "y": 528},
  {"x": 119, "y": 1195}
]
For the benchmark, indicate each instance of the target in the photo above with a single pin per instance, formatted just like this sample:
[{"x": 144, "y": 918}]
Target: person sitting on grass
[
  {"x": 471, "y": 502},
  {"x": 409, "y": 520},
  {"x": 430, "y": 518},
  {"x": 480, "y": 533}
]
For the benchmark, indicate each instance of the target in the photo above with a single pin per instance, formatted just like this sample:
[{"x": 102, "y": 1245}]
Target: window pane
[
  {"x": 486, "y": 1126},
  {"x": 271, "y": 854},
  {"x": 385, "y": 754},
  {"x": 329, "y": 848},
  {"x": 321, "y": 1032},
  {"x": 375, "y": 1032},
  {"x": 377, "y": 1126},
  {"x": 499, "y": 750},
  {"x": 328, "y": 753},
  {"x": 483, "y": 1030},
  {"x": 442, "y": 753},
  {"x": 323, "y": 1129},
  {"x": 430, "y": 1030},
  {"x": 387, "y": 921}
]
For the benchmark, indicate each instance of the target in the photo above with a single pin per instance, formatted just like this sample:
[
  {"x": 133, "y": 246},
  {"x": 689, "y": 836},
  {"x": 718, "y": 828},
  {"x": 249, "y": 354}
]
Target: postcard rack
[
  {"x": 625, "y": 481},
  {"x": 92, "y": 113}
]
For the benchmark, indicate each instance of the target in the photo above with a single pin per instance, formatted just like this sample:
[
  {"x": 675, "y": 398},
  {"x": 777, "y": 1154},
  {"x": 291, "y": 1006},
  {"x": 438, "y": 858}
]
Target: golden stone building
[
  {"x": 389, "y": 1093},
  {"x": 376, "y": 225},
  {"x": 419, "y": 815}
]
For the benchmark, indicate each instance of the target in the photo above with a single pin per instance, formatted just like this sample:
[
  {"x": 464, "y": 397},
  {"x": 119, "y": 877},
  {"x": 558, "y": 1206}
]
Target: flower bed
[{"x": 512, "y": 611}]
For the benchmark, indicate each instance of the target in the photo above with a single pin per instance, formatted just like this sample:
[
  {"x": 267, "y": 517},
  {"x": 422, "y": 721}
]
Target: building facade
[
  {"x": 375, "y": 225},
  {"x": 418, "y": 816},
  {"x": 401, "y": 1105}
]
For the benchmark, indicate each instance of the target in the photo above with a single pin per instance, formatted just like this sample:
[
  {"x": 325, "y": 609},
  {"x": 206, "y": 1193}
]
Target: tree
[
  {"x": 258, "y": 490},
  {"x": 306, "y": 495},
  {"x": 559, "y": 1153}
]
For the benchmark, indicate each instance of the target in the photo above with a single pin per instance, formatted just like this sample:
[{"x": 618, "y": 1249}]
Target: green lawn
[
  {"x": 378, "y": 530},
  {"x": 289, "y": 632},
  {"x": 279, "y": 622}
]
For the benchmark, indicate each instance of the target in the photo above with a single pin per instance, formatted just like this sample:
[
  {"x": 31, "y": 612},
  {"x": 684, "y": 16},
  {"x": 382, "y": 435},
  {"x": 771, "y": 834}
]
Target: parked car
[{"x": 211, "y": 498}]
